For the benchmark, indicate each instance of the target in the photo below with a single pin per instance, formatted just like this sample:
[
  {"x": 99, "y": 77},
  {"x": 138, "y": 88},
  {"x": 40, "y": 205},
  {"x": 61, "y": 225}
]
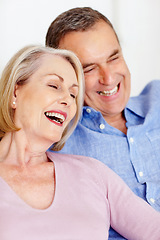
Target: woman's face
[{"x": 46, "y": 103}]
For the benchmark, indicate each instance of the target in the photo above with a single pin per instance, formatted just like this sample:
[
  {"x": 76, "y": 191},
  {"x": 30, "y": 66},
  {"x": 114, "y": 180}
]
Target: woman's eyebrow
[
  {"x": 62, "y": 80},
  {"x": 75, "y": 85},
  {"x": 54, "y": 74}
]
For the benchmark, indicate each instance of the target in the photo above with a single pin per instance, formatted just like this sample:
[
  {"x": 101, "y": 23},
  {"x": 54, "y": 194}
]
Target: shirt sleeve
[{"x": 130, "y": 215}]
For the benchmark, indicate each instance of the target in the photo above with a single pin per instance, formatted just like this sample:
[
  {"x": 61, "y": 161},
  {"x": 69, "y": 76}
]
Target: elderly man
[{"x": 122, "y": 132}]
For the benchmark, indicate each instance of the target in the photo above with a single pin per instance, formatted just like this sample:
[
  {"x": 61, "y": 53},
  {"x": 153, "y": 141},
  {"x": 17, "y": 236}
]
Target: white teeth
[
  {"x": 57, "y": 115},
  {"x": 109, "y": 93}
]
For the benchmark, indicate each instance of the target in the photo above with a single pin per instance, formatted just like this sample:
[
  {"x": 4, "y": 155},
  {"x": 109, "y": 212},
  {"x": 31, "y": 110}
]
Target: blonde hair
[{"x": 18, "y": 70}]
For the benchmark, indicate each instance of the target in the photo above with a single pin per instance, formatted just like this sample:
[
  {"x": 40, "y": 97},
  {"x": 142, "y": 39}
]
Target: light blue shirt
[{"x": 135, "y": 157}]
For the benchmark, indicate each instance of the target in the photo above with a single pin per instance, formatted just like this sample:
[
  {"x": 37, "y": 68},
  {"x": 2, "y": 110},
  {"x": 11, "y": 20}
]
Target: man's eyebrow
[
  {"x": 87, "y": 65},
  {"x": 116, "y": 51}
]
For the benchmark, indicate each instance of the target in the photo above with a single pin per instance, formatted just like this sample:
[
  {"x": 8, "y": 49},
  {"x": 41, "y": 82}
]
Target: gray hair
[{"x": 75, "y": 19}]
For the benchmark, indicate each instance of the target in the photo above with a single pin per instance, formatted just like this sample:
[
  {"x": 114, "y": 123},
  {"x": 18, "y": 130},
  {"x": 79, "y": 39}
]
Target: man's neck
[{"x": 118, "y": 122}]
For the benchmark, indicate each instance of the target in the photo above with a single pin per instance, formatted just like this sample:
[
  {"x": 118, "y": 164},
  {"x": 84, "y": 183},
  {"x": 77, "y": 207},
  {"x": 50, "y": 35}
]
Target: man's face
[{"x": 107, "y": 77}]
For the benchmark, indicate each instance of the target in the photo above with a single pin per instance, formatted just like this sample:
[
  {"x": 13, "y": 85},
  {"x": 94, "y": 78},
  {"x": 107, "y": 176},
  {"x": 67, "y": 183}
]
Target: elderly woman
[{"x": 46, "y": 195}]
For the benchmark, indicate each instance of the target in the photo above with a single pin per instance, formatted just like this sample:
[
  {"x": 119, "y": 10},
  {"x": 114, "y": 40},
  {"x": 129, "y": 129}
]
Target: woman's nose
[{"x": 66, "y": 99}]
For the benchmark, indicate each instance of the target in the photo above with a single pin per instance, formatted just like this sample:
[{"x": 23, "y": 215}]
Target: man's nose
[{"x": 106, "y": 76}]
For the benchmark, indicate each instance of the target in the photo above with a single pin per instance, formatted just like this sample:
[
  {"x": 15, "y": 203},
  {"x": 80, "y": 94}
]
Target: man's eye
[
  {"x": 113, "y": 58},
  {"x": 89, "y": 69}
]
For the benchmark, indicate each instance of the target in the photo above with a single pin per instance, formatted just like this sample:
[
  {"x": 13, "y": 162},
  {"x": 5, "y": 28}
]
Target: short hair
[
  {"x": 75, "y": 19},
  {"x": 17, "y": 72}
]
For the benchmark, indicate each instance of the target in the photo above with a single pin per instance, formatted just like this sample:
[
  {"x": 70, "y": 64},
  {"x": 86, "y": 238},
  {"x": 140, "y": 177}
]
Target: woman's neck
[{"x": 17, "y": 150}]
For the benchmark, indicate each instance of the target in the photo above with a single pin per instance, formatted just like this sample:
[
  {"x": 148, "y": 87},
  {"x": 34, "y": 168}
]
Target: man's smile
[{"x": 109, "y": 92}]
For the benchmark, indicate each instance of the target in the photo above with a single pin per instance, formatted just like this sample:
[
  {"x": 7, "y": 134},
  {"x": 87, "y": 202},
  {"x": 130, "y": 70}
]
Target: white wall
[{"x": 137, "y": 23}]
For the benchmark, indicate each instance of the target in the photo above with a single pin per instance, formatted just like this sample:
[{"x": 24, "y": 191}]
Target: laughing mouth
[
  {"x": 109, "y": 92},
  {"x": 56, "y": 117}
]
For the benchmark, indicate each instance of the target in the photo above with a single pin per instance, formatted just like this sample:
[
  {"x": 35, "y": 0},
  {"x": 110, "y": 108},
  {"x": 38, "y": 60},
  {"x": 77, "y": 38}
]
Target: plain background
[{"x": 137, "y": 23}]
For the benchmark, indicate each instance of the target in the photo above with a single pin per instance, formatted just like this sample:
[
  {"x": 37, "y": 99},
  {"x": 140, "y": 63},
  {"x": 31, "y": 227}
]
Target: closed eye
[
  {"x": 113, "y": 58},
  {"x": 89, "y": 69},
  {"x": 53, "y": 86},
  {"x": 72, "y": 95}
]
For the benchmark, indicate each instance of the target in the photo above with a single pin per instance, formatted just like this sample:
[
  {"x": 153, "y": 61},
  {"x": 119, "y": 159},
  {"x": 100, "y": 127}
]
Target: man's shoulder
[
  {"x": 149, "y": 94},
  {"x": 147, "y": 101},
  {"x": 152, "y": 88}
]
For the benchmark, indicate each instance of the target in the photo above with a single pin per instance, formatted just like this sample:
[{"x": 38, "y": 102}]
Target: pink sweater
[{"x": 88, "y": 198}]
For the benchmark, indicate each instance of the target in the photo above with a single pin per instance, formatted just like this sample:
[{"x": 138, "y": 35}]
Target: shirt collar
[
  {"x": 134, "y": 105},
  {"x": 134, "y": 112}
]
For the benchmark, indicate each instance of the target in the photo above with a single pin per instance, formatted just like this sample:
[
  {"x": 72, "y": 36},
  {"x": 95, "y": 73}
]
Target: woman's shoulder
[
  {"x": 74, "y": 159},
  {"x": 85, "y": 164}
]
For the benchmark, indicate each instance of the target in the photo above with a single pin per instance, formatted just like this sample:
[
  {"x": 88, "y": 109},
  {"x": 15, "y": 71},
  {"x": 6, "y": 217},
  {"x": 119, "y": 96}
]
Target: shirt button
[
  {"x": 88, "y": 110},
  {"x": 141, "y": 174},
  {"x": 131, "y": 140},
  {"x": 101, "y": 126},
  {"x": 152, "y": 200}
]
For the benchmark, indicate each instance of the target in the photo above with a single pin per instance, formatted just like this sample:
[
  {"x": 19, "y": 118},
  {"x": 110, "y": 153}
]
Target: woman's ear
[{"x": 13, "y": 101}]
